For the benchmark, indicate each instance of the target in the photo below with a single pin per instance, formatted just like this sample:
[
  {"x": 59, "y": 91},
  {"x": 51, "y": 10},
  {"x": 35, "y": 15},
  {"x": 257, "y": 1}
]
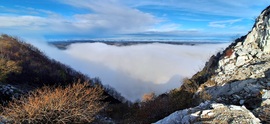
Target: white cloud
[
  {"x": 217, "y": 25},
  {"x": 232, "y": 8},
  {"x": 27, "y": 25},
  {"x": 14, "y": 21},
  {"x": 224, "y": 23},
  {"x": 139, "y": 69},
  {"x": 112, "y": 16},
  {"x": 103, "y": 18},
  {"x": 166, "y": 27}
]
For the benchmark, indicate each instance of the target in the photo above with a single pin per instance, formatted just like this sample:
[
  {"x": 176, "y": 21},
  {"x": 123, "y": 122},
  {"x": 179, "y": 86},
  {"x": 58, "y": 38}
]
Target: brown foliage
[
  {"x": 148, "y": 97},
  {"x": 189, "y": 86},
  {"x": 77, "y": 103},
  {"x": 158, "y": 108},
  {"x": 228, "y": 52},
  {"x": 149, "y": 111}
]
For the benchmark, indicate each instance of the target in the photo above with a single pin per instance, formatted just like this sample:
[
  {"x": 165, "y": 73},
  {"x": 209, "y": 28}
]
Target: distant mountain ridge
[{"x": 65, "y": 44}]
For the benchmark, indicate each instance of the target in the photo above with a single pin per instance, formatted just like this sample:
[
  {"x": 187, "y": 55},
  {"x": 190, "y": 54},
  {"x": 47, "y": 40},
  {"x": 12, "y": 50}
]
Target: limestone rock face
[
  {"x": 243, "y": 78},
  {"x": 260, "y": 32},
  {"x": 262, "y": 28}
]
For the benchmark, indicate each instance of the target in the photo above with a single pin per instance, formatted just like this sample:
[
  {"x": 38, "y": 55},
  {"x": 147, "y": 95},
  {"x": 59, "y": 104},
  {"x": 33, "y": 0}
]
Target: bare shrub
[
  {"x": 77, "y": 103},
  {"x": 189, "y": 86}
]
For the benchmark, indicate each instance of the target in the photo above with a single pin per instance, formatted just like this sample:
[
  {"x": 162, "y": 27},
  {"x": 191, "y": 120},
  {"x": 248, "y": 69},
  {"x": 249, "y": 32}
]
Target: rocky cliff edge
[{"x": 238, "y": 82}]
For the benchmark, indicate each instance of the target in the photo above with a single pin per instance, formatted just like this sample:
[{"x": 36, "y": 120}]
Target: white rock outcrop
[{"x": 210, "y": 112}]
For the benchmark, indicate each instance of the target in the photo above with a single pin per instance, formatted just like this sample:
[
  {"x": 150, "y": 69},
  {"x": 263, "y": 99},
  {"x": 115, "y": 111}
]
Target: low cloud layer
[{"x": 135, "y": 70}]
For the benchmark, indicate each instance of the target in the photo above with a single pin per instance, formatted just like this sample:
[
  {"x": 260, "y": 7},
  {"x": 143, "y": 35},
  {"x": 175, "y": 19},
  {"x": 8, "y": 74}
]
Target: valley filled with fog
[{"x": 137, "y": 69}]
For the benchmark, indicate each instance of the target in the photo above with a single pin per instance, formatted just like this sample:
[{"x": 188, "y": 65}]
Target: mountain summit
[{"x": 234, "y": 86}]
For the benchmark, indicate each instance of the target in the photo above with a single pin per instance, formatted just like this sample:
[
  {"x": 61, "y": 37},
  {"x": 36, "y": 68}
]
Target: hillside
[
  {"x": 24, "y": 68},
  {"x": 234, "y": 85}
]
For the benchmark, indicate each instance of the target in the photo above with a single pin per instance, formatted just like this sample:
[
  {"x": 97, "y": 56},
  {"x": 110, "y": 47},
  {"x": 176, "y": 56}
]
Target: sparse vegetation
[
  {"x": 8, "y": 67},
  {"x": 77, "y": 103},
  {"x": 27, "y": 69},
  {"x": 22, "y": 63}
]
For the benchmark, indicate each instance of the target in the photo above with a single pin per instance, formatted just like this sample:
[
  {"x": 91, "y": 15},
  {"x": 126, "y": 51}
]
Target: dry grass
[
  {"x": 189, "y": 86},
  {"x": 205, "y": 96},
  {"x": 77, "y": 103}
]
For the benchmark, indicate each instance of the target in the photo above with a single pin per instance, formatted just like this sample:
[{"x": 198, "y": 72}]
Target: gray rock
[
  {"x": 3, "y": 120},
  {"x": 206, "y": 112},
  {"x": 254, "y": 52},
  {"x": 229, "y": 67},
  {"x": 233, "y": 56},
  {"x": 241, "y": 52},
  {"x": 265, "y": 102},
  {"x": 223, "y": 62},
  {"x": 241, "y": 60},
  {"x": 238, "y": 44},
  {"x": 265, "y": 94},
  {"x": 236, "y": 108},
  {"x": 241, "y": 102},
  {"x": 259, "y": 55}
]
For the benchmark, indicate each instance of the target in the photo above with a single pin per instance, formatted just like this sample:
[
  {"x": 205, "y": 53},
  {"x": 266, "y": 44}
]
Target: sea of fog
[{"x": 137, "y": 69}]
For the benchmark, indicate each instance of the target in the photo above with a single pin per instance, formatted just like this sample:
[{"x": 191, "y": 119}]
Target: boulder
[
  {"x": 265, "y": 94},
  {"x": 241, "y": 60},
  {"x": 229, "y": 67},
  {"x": 211, "y": 112},
  {"x": 241, "y": 52}
]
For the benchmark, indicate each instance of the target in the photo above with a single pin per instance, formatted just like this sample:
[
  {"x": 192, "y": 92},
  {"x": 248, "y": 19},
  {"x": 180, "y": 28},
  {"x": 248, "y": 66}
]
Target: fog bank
[{"x": 138, "y": 69}]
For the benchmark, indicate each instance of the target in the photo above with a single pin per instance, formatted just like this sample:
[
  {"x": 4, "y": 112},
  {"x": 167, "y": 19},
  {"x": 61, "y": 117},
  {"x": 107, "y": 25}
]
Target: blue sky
[{"x": 129, "y": 19}]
